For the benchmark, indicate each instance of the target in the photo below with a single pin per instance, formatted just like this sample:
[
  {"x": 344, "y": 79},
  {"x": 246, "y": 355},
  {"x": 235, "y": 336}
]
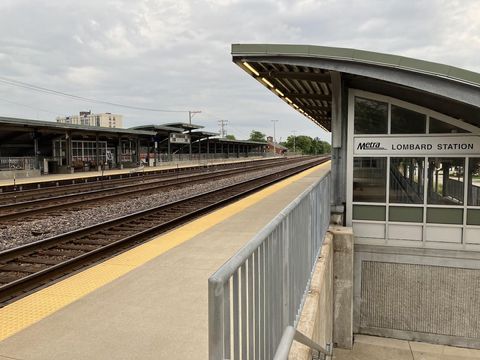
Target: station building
[
  {"x": 406, "y": 178},
  {"x": 32, "y": 147}
]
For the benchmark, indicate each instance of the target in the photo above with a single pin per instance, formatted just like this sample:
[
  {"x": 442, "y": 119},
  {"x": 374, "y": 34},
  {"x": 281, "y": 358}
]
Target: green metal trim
[
  {"x": 405, "y": 214},
  {"x": 369, "y": 212},
  {"x": 445, "y": 216},
  {"x": 473, "y": 217},
  {"x": 360, "y": 56}
]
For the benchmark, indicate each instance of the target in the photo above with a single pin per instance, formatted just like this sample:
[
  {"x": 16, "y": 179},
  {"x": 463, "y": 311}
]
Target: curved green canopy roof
[
  {"x": 305, "y": 77},
  {"x": 381, "y": 59}
]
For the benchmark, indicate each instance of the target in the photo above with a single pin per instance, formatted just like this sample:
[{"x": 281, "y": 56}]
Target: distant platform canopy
[{"x": 304, "y": 77}]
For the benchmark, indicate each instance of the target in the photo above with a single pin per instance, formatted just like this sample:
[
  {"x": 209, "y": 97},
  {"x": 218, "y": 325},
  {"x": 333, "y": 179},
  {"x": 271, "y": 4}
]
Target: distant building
[
  {"x": 89, "y": 119},
  {"x": 275, "y": 147}
]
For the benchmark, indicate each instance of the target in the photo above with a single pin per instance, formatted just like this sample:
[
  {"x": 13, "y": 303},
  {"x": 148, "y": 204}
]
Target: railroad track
[
  {"x": 42, "y": 207},
  {"x": 55, "y": 188},
  {"x": 33, "y": 265}
]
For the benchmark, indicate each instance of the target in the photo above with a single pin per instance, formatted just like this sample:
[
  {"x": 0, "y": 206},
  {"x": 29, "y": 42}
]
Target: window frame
[{"x": 471, "y": 131}]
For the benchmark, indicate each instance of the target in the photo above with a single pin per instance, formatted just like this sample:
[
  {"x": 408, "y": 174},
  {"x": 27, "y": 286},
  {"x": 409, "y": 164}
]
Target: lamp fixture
[
  {"x": 267, "y": 82},
  {"x": 251, "y": 68},
  {"x": 288, "y": 100},
  {"x": 279, "y": 92}
]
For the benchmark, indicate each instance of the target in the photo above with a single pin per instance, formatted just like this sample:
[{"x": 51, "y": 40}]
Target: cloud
[{"x": 175, "y": 54}]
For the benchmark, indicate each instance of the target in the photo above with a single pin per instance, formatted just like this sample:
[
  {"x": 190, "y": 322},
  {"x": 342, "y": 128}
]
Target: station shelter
[
  {"x": 406, "y": 177},
  {"x": 45, "y": 146},
  {"x": 31, "y": 147}
]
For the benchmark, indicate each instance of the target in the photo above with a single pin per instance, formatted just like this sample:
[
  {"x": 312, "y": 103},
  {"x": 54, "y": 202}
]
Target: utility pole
[
  {"x": 294, "y": 138},
  {"x": 274, "y": 138},
  {"x": 191, "y": 114},
  {"x": 223, "y": 124}
]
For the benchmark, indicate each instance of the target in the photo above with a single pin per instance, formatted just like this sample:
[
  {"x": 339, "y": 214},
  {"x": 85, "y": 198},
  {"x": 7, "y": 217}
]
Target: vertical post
[
  {"x": 190, "y": 143},
  {"x": 35, "y": 150},
  {"x": 168, "y": 148},
  {"x": 294, "y": 140},
  {"x": 119, "y": 151},
  {"x": 68, "y": 148},
  {"x": 97, "y": 151},
  {"x": 137, "y": 151},
  {"x": 208, "y": 147},
  {"x": 274, "y": 138},
  {"x": 339, "y": 141}
]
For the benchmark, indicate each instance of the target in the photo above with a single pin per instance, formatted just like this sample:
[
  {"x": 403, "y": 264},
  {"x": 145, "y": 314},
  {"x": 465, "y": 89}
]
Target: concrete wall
[
  {"x": 418, "y": 294},
  {"x": 316, "y": 319},
  {"x": 327, "y": 314},
  {"x": 19, "y": 174},
  {"x": 343, "y": 287}
]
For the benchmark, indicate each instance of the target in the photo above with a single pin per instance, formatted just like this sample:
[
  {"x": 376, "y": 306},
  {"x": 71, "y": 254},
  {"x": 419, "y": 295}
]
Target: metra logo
[{"x": 369, "y": 146}]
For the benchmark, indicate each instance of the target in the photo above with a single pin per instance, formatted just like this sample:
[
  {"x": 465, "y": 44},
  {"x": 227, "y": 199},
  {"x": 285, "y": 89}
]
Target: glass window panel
[
  {"x": 445, "y": 181},
  {"x": 405, "y": 214},
  {"x": 368, "y": 212},
  {"x": 405, "y": 121},
  {"x": 445, "y": 216},
  {"x": 369, "y": 179},
  {"x": 441, "y": 127},
  {"x": 474, "y": 182},
  {"x": 407, "y": 180},
  {"x": 371, "y": 117}
]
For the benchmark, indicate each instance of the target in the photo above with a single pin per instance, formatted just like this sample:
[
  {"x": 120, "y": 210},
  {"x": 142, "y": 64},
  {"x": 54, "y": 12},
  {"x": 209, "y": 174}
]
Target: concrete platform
[
  {"x": 148, "y": 303},
  {"x": 87, "y": 174},
  {"x": 376, "y": 348}
]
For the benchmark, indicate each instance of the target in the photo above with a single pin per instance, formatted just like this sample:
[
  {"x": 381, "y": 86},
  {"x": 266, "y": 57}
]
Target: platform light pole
[
  {"x": 191, "y": 114},
  {"x": 274, "y": 138}
]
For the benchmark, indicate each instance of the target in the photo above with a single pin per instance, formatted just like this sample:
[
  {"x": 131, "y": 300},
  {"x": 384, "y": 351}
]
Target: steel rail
[
  {"x": 112, "y": 181},
  {"x": 213, "y": 199},
  {"x": 43, "y": 205}
]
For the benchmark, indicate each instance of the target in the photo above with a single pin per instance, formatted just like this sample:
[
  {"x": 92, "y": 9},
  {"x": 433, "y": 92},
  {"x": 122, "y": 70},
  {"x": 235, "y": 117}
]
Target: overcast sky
[{"x": 175, "y": 54}]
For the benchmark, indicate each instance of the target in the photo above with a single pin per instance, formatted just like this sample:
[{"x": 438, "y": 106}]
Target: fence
[
  {"x": 259, "y": 291},
  {"x": 210, "y": 156},
  {"x": 17, "y": 163}
]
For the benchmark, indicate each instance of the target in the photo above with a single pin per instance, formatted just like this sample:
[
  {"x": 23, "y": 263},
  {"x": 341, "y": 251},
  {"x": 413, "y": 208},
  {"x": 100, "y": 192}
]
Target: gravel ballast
[{"x": 59, "y": 223}]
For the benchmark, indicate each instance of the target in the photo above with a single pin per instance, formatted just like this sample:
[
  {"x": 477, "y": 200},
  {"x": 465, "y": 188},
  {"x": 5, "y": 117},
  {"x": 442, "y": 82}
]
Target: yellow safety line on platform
[{"x": 33, "y": 308}]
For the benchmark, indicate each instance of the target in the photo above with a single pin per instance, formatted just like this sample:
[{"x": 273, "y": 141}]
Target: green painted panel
[
  {"x": 473, "y": 216},
  {"x": 376, "y": 57},
  {"x": 405, "y": 214},
  {"x": 325, "y": 51},
  {"x": 426, "y": 66},
  {"x": 369, "y": 212},
  {"x": 249, "y": 49},
  {"x": 464, "y": 74},
  {"x": 445, "y": 216},
  {"x": 287, "y": 49}
]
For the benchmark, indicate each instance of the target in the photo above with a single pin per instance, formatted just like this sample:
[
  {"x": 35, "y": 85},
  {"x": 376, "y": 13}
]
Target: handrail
[
  {"x": 260, "y": 290},
  {"x": 290, "y": 334}
]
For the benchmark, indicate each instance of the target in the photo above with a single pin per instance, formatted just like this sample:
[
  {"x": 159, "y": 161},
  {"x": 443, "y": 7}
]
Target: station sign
[
  {"x": 179, "y": 138},
  {"x": 417, "y": 145}
]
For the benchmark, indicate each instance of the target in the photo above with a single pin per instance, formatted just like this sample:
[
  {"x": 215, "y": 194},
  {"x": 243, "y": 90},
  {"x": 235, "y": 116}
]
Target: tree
[
  {"x": 230, "y": 137},
  {"x": 257, "y": 136},
  {"x": 306, "y": 145}
]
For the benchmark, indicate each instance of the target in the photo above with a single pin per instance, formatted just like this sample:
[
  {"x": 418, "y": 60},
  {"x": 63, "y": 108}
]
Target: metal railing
[
  {"x": 291, "y": 334},
  {"x": 18, "y": 163},
  {"x": 260, "y": 290}
]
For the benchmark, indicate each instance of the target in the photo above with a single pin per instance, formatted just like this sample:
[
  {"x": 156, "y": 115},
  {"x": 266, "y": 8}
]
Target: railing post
[{"x": 215, "y": 319}]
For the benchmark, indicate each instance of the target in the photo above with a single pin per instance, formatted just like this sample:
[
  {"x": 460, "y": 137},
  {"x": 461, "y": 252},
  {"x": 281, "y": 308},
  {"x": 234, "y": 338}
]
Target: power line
[
  {"x": 81, "y": 98},
  {"x": 27, "y": 106}
]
